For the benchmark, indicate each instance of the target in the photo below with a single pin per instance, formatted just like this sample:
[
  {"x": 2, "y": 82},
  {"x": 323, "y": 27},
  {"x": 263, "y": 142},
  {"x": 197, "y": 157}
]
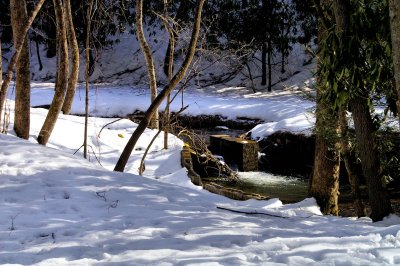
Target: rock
[{"x": 236, "y": 151}]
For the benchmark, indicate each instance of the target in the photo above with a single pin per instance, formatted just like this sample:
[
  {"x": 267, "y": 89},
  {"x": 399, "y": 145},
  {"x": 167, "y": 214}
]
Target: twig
[
  {"x": 252, "y": 212},
  {"x": 98, "y": 135},
  {"x": 94, "y": 153},
  {"x": 12, "y": 227},
  {"x": 142, "y": 167}
]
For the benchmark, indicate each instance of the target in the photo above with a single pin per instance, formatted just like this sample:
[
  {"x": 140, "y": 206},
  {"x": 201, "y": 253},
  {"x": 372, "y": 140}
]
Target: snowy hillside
[{"x": 59, "y": 209}]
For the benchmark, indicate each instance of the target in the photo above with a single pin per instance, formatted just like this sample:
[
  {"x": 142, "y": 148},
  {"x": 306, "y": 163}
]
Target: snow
[{"x": 57, "y": 208}]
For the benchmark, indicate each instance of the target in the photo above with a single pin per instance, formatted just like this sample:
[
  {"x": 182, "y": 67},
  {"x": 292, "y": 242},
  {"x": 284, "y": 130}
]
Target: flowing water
[{"x": 287, "y": 189}]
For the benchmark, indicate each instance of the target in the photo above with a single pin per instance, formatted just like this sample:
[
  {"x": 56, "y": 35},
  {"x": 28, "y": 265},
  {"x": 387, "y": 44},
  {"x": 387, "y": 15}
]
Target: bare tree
[
  {"x": 14, "y": 59},
  {"x": 151, "y": 72},
  {"x": 19, "y": 16},
  {"x": 169, "y": 69},
  {"x": 73, "y": 76},
  {"x": 123, "y": 159},
  {"x": 62, "y": 75},
  {"x": 89, "y": 12},
  {"x": 394, "y": 11}
]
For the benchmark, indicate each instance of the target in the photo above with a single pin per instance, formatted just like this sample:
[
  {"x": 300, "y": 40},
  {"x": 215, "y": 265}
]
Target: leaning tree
[{"x": 123, "y": 159}]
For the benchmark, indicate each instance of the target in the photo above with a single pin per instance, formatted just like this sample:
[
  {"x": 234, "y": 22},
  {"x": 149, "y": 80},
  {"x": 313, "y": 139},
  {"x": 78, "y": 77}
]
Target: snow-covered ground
[{"x": 57, "y": 208}]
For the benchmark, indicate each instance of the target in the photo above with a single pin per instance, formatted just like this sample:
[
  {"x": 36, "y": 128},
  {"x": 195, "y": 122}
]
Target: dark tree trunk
[
  {"x": 264, "y": 64},
  {"x": 342, "y": 9},
  {"x": 38, "y": 56},
  {"x": 269, "y": 64},
  {"x": 350, "y": 164},
  {"x": 369, "y": 155},
  {"x": 394, "y": 8},
  {"x": 365, "y": 131},
  {"x": 19, "y": 18}
]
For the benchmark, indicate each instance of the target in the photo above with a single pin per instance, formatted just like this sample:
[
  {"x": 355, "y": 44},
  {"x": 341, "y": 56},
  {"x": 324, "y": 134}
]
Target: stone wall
[{"x": 236, "y": 151}]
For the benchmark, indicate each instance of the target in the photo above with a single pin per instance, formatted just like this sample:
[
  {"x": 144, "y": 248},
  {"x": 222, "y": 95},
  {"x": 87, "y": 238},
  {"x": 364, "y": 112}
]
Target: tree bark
[
  {"x": 269, "y": 64},
  {"x": 1, "y": 65},
  {"x": 169, "y": 69},
  {"x": 394, "y": 11},
  {"x": 38, "y": 55},
  {"x": 345, "y": 153},
  {"x": 19, "y": 17},
  {"x": 151, "y": 72},
  {"x": 123, "y": 159},
  {"x": 13, "y": 61},
  {"x": 365, "y": 131},
  {"x": 378, "y": 196},
  {"x": 324, "y": 183},
  {"x": 87, "y": 74},
  {"x": 73, "y": 77},
  {"x": 62, "y": 78},
  {"x": 264, "y": 64},
  {"x": 342, "y": 17}
]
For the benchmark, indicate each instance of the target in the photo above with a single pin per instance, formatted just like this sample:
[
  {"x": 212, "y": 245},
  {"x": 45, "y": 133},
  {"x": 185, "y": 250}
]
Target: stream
[{"x": 287, "y": 189}]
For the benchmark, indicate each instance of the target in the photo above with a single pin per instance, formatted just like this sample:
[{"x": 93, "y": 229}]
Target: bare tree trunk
[
  {"x": 394, "y": 11},
  {"x": 123, "y": 159},
  {"x": 19, "y": 17},
  {"x": 264, "y": 64},
  {"x": 38, "y": 55},
  {"x": 269, "y": 64},
  {"x": 170, "y": 69},
  {"x": 324, "y": 183},
  {"x": 62, "y": 78},
  {"x": 17, "y": 51},
  {"x": 151, "y": 72},
  {"x": 73, "y": 77},
  {"x": 87, "y": 72}
]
